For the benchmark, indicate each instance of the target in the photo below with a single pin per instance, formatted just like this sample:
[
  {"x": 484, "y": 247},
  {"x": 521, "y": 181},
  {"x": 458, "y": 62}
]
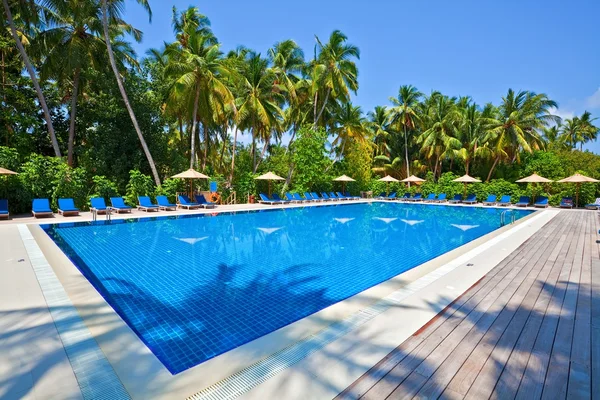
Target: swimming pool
[{"x": 195, "y": 286}]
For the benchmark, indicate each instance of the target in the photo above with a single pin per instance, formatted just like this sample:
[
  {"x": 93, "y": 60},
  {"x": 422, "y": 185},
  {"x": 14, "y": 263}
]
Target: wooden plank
[
  {"x": 396, "y": 376},
  {"x": 491, "y": 326},
  {"x": 511, "y": 375},
  {"x": 534, "y": 376},
  {"x": 480, "y": 372},
  {"x": 460, "y": 342}
]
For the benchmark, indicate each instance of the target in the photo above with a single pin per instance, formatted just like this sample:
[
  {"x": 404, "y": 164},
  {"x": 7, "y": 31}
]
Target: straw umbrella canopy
[
  {"x": 190, "y": 174},
  {"x": 578, "y": 179},
  {"x": 465, "y": 180},
  {"x": 344, "y": 179},
  {"x": 269, "y": 176},
  {"x": 387, "y": 179},
  {"x": 4, "y": 171},
  {"x": 533, "y": 179}
]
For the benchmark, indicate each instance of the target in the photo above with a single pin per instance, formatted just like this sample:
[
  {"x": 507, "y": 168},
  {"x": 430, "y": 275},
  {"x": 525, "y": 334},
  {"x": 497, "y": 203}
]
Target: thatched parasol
[
  {"x": 533, "y": 179},
  {"x": 578, "y": 179},
  {"x": 344, "y": 179},
  {"x": 4, "y": 171},
  {"x": 466, "y": 179},
  {"x": 269, "y": 176},
  {"x": 190, "y": 174},
  {"x": 387, "y": 179}
]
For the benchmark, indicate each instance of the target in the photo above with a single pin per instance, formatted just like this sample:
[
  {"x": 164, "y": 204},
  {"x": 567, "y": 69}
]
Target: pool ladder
[{"x": 504, "y": 215}]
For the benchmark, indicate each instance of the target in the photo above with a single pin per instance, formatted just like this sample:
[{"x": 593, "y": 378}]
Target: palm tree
[
  {"x": 589, "y": 130},
  {"x": 30, "y": 70},
  {"x": 439, "y": 139},
  {"x": 199, "y": 78},
  {"x": 515, "y": 127},
  {"x": 111, "y": 13},
  {"x": 334, "y": 71},
  {"x": 472, "y": 129},
  {"x": 379, "y": 125},
  {"x": 571, "y": 132},
  {"x": 404, "y": 115},
  {"x": 258, "y": 101},
  {"x": 72, "y": 43},
  {"x": 287, "y": 62},
  {"x": 349, "y": 126}
]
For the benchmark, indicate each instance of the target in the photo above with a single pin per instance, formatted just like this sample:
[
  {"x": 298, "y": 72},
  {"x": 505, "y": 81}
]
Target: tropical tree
[
  {"x": 516, "y": 125},
  {"x": 30, "y": 9},
  {"x": 404, "y": 115},
  {"x": 333, "y": 71},
  {"x": 258, "y": 102},
  {"x": 589, "y": 131},
  {"x": 472, "y": 130},
  {"x": 199, "y": 77},
  {"x": 379, "y": 125},
  {"x": 439, "y": 140},
  {"x": 349, "y": 126},
  {"x": 111, "y": 11},
  {"x": 71, "y": 43}
]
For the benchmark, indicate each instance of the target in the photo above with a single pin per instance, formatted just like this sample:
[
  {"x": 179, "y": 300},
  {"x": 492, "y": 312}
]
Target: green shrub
[
  {"x": 103, "y": 187},
  {"x": 139, "y": 185},
  {"x": 170, "y": 187}
]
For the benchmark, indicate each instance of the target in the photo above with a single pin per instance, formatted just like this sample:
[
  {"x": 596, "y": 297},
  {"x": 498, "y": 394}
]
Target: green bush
[
  {"x": 170, "y": 187},
  {"x": 139, "y": 185},
  {"x": 103, "y": 187}
]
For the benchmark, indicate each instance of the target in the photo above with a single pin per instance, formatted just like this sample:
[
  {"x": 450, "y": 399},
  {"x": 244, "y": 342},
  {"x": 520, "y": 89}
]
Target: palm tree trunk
[
  {"x": 294, "y": 131},
  {"x": 262, "y": 153},
  {"x": 323, "y": 106},
  {"x": 34, "y": 80},
  {"x": 437, "y": 161},
  {"x": 73, "y": 113},
  {"x": 467, "y": 162},
  {"x": 205, "y": 146},
  {"x": 193, "y": 134},
  {"x": 492, "y": 169},
  {"x": 233, "y": 154},
  {"x": 113, "y": 64},
  {"x": 406, "y": 153},
  {"x": 315, "y": 108}
]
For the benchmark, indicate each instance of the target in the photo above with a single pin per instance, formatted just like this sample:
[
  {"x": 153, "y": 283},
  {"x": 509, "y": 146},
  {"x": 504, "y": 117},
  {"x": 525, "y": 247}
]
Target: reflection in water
[{"x": 245, "y": 276}]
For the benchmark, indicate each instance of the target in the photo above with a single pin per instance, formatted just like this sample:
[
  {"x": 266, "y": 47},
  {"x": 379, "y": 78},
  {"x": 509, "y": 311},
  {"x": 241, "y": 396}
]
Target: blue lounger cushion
[
  {"x": 41, "y": 207},
  {"x": 98, "y": 204},
  {"x": 163, "y": 203},
  {"x": 4, "y": 208},
  {"x": 119, "y": 204},
  {"x": 200, "y": 199},
  {"x": 146, "y": 204},
  {"x": 67, "y": 206},
  {"x": 504, "y": 200}
]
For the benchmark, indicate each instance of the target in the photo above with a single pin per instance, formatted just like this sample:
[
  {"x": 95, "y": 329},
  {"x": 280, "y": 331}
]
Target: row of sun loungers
[
  {"x": 491, "y": 200},
  {"x": 306, "y": 198}
]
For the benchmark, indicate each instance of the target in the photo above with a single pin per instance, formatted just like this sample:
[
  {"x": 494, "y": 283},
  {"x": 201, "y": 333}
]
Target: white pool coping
[{"x": 145, "y": 377}]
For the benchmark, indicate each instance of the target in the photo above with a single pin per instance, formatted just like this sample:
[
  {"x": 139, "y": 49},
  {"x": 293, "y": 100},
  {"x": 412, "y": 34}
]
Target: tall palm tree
[
  {"x": 571, "y": 132},
  {"x": 333, "y": 71},
  {"x": 589, "y": 130},
  {"x": 258, "y": 101},
  {"x": 472, "y": 130},
  {"x": 349, "y": 126},
  {"x": 516, "y": 126},
  {"x": 71, "y": 43},
  {"x": 439, "y": 139},
  {"x": 29, "y": 66},
  {"x": 379, "y": 125},
  {"x": 404, "y": 115},
  {"x": 199, "y": 77},
  {"x": 111, "y": 10}
]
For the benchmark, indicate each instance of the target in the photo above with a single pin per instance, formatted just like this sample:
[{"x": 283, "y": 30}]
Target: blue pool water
[{"x": 195, "y": 287}]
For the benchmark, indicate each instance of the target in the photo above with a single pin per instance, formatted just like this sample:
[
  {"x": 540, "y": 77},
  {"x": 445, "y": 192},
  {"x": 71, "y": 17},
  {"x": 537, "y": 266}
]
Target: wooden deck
[{"x": 529, "y": 329}]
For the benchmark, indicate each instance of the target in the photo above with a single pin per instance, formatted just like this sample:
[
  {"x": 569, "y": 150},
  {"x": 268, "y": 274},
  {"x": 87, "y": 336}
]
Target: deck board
[{"x": 529, "y": 329}]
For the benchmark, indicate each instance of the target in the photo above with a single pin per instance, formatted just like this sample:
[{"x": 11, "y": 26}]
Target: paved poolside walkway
[{"x": 529, "y": 329}]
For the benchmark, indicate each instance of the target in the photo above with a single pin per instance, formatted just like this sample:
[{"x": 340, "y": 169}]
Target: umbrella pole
[
  {"x": 465, "y": 190},
  {"x": 577, "y": 195},
  {"x": 387, "y": 189}
]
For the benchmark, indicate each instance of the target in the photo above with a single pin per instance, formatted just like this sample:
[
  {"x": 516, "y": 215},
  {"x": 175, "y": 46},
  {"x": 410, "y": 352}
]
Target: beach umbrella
[
  {"x": 190, "y": 174},
  {"x": 533, "y": 179},
  {"x": 344, "y": 179},
  {"x": 4, "y": 171},
  {"x": 413, "y": 179},
  {"x": 387, "y": 179},
  {"x": 465, "y": 180},
  {"x": 578, "y": 179},
  {"x": 269, "y": 176}
]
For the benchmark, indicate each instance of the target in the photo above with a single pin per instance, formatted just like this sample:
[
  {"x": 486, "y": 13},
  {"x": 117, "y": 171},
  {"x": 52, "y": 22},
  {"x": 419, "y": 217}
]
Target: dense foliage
[{"x": 126, "y": 124}]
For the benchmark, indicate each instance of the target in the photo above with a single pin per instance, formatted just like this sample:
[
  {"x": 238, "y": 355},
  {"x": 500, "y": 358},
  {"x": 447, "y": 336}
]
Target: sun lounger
[
  {"x": 416, "y": 197},
  {"x": 456, "y": 199},
  {"x": 164, "y": 204},
  {"x": 430, "y": 197},
  {"x": 185, "y": 202},
  {"x": 341, "y": 196},
  {"x": 335, "y": 196},
  {"x": 566, "y": 202},
  {"x": 405, "y": 197},
  {"x": 291, "y": 198},
  {"x": 67, "y": 207},
  {"x": 145, "y": 204},
  {"x": 4, "y": 209},
  {"x": 266, "y": 200},
  {"x": 41, "y": 208},
  {"x": 441, "y": 198},
  {"x": 471, "y": 199},
  {"x": 392, "y": 196},
  {"x": 348, "y": 195},
  {"x": 299, "y": 198},
  {"x": 541, "y": 201},
  {"x": 98, "y": 204},
  {"x": 523, "y": 201},
  {"x": 325, "y": 196},
  {"x": 593, "y": 206},
  {"x": 276, "y": 197},
  {"x": 309, "y": 197},
  {"x": 491, "y": 200},
  {"x": 200, "y": 199},
  {"x": 118, "y": 204},
  {"x": 504, "y": 200},
  {"x": 382, "y": 195},
  {"x": 315, "y": 195}
]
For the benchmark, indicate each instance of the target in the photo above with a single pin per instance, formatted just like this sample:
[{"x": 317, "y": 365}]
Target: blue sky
[{"x": 476, "y": 48}]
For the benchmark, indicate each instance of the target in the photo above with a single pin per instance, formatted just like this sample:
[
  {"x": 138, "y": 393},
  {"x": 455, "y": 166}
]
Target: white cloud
[
  {"x": 594, "y": 100},
  {"x": 562, "y": 113}
]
